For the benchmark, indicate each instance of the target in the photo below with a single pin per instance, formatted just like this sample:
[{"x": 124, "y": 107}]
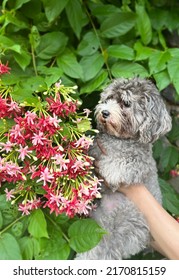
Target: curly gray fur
[{"x": 131, "y": 115}]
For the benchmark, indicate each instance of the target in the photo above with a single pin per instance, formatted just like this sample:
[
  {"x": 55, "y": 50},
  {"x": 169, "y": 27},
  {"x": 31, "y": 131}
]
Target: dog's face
[{"x": 132, "y": 109}]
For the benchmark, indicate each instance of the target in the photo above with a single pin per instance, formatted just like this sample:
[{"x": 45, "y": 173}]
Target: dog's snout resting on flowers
[{"x": 131, "y": 116}]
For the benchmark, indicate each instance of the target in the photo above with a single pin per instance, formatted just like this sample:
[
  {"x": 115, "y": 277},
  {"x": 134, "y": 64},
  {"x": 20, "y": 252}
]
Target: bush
[{"x": 84, "y": 43}]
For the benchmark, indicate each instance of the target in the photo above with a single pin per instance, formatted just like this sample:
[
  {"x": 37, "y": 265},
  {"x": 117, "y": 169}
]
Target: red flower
[
  {"x": 3, "y": 108},
  {"x": 174, "y": 173},
  {"x": 62, "y": 109},
  {"x": 4, "y": 68}
]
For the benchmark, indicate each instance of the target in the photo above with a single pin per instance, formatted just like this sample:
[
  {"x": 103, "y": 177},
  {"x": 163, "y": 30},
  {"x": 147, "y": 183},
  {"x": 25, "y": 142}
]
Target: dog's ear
[{"x": 157, "y": 122}]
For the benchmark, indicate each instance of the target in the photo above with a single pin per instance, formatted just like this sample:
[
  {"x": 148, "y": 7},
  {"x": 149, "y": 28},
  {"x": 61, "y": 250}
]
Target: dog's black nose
[{"x": 105, "y": 114}]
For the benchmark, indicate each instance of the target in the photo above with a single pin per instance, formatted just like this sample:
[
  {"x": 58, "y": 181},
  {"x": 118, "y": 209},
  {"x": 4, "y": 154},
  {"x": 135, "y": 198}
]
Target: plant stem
[
  {"x": 33, "y": 61},
  {"x": 10, "y": 225},
  {"x": 100, "y": 45},
  {"x": 56, "y": 225}
]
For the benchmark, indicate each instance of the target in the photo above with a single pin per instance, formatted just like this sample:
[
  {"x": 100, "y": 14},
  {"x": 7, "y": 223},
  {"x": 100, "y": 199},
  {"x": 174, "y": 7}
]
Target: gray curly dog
[{"x": 131, "y": 115}]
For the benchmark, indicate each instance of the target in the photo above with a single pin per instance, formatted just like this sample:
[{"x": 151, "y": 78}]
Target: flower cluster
[{"x": 44, "y": 158}]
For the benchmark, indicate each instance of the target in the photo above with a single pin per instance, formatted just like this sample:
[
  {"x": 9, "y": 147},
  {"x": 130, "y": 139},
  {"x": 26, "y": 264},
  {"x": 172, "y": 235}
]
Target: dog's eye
[{"x": 127, "y": 104}]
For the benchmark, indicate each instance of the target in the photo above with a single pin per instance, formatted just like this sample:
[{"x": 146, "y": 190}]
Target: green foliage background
[{"x": 85, "y": 43}]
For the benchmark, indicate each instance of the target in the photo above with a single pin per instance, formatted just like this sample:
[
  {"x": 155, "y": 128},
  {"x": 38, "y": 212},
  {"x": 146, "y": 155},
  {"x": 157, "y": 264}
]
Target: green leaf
[
  {"x": 36, "y": 246},
  {"x": 173, "y": 135},
  {"x": 32, "y": 9},
  {"x": 84, "y": 125},
  {"x": 162, "y": 40},
  {"x": 76, "y": 16},
  {"x": 53, "y": 8},
  {"x": 3, "y": 202},
  {"x": 17, "y": 229},
  {"x": 34, "y": 37},
  {"x": 27, "y": 247},
  {"x": 19, "y": 21},
  {"x": 169, "y": 158},
  {"x": 142, "y": 52},
  {"x": 9, "y": 248},
  {"x": 95, "y": 83},
  {"x": 170, "y": 197},
  {"x": 117, "y": 24},
  {"x": 69, "y": 65},
  {"x": 102, "y": 11},
  {"x": 89, "y": 44},
  {"x": 61, "y": 219},
  {"x": 159, "y": 18},
  {"x": 34, "y": 84},
  {"x": 8, "y": 44},
  {"x": 157, "y": 149},
  {"x": 91, "y": 65},
  {"x": 37, "y": 224},
  {"x": 51, "y": 44},
  {"x": 23, "y": 59},
  {"x": 173, "y": 68},
  {"x": 1, "y": 220},
  {"x": 9, "y": 212},
  {"x": 128, "y": 70},
  {"x": 19, "y": 3},
  {"x": 24, "y": 92},
  {"x": 84, "y": 235},
  {"x": 66, "y": 132},
  {"x": 158, "y": 61},
  {"x": 18, "y": 95},
  {"x": 52, "y": 74},
  {"x": 4, "y": 4},
  {"x": 55, "y": 248},
  {"x": 143, "y": 24},
  {"x": 162, "y": 79},
  {"x": 121, "y": 51}
]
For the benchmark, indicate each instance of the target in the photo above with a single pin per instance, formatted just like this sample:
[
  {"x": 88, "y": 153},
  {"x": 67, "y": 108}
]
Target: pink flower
[
  {"x": 37, "y": 138},
  {"x": 84, "y": 142},
  {"x": 83, "y": 207},
  {"x": 30, "y": 117},
  {"x": 58, "y": 84},
  {"x": 34, "y": 203},
  {"x": 46, "y": 176},
  {"x": 16, "y": 131},
  {"x": 13, "y": 106},
  {"x": 55, "y": 198},
  {"x": 54, "y": 120},
  {"x": 87, "y": 112},
  {"x": 9, "y": 194},
  {"x": 12, "y": 169},
  {"x": 24, "y": 208},
  {"x": 7, "y": 146},
  {"x": 24, "y": 152},
  {"x": 59, "y": 160},
  {"x": 32, "y": 168},
  {"x": 78, "y": 165}
]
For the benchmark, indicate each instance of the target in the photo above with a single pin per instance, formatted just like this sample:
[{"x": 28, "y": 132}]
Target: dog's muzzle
[{"x": 105, "y": 114}]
